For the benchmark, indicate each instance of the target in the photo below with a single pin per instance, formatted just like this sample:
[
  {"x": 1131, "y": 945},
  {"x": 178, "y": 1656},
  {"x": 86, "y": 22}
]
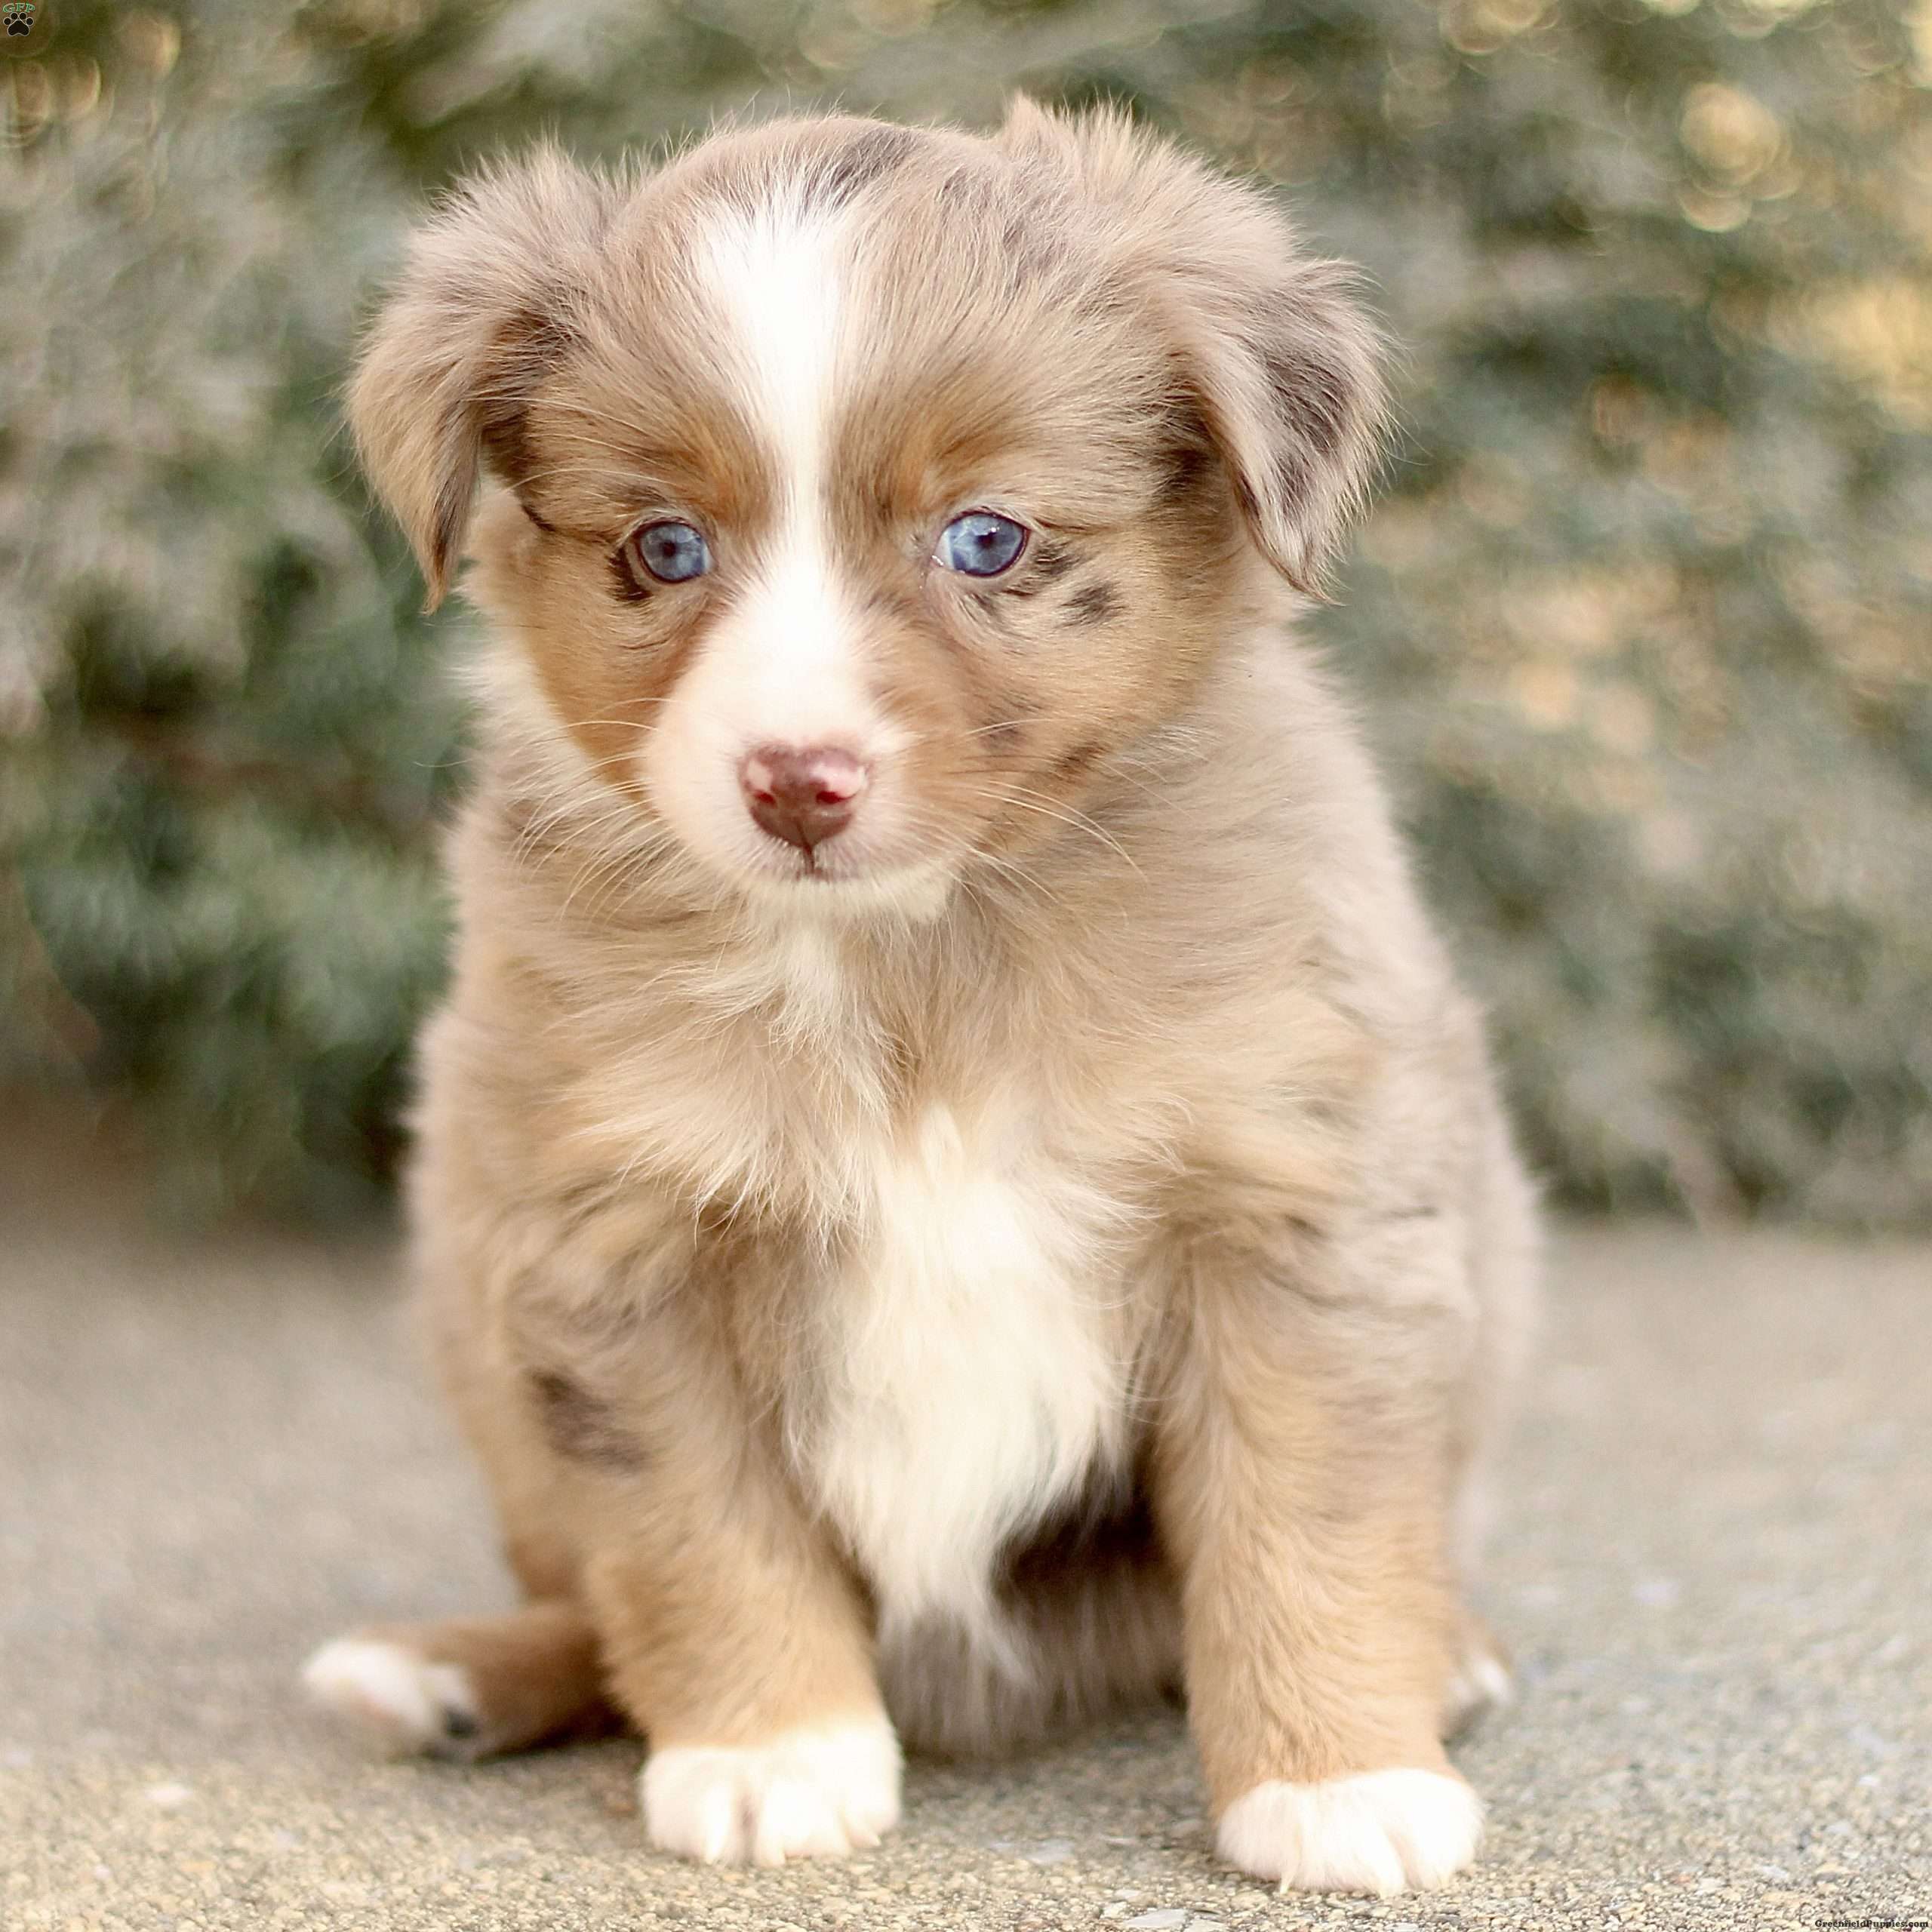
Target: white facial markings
[
  {"x": 780, "y": 666},
  {"x": 778, "y": 274}
]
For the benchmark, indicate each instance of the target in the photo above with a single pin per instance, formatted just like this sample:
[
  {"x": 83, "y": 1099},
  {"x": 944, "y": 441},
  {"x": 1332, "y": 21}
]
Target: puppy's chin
[
  {"x": 917, "y": 894},
  {"x": 836, "y": 882}
]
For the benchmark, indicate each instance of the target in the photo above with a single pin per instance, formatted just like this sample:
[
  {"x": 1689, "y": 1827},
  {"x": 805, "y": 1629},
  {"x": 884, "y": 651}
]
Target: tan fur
[
  {"x": 537, "y": 1674},
  {"x": 1172, "y": 964}
]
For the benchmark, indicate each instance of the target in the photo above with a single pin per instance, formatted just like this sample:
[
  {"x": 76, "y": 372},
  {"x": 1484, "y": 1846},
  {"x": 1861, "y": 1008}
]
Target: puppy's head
[{"x": 863, "y": 490}]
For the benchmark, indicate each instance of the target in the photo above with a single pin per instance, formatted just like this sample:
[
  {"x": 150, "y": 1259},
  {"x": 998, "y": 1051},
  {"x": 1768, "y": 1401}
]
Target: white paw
[
  {"x": 810, "y": 1794},
  {"x": 409, "y": 1702},
  {"x": 1379, "y": 1831}
]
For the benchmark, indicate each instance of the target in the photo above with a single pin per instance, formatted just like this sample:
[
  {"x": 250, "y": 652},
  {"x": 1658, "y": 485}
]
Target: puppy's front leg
[
  {"x": 735, "y": 1637},
  {"x": 1300, "y": 1482}
]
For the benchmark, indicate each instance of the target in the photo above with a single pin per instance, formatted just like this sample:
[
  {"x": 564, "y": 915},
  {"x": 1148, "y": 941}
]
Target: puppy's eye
[
  {"x": 671, "y": 552},
  {"x": 980, "y": 543}
]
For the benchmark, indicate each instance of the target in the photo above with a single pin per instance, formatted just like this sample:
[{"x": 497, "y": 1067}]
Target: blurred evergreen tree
[{"x": 1643, "y": 621}]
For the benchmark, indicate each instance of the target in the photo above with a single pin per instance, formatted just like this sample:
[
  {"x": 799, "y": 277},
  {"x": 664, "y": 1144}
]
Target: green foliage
[{"x": 1643, "y": 621}]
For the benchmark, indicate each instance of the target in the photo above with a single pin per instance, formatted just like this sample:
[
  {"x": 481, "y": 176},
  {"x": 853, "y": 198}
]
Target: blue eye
[
  {"x": 671, "y": 552},
  {"x": 980, "y": 543}
]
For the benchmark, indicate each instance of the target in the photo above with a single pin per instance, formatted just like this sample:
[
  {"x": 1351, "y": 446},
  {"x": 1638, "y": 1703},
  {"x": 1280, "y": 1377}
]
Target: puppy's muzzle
[{"x": 803, "y": 796}]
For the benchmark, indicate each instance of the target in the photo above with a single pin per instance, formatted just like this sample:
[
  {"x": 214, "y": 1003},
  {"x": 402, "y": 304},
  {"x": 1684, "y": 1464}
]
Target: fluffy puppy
[{"x": 953, "y": 1186}]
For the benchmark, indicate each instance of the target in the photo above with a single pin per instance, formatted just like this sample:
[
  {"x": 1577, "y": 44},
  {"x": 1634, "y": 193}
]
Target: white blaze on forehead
[
  {"x": 781, "y": 665},
  {"x": 777, "y": 273}
]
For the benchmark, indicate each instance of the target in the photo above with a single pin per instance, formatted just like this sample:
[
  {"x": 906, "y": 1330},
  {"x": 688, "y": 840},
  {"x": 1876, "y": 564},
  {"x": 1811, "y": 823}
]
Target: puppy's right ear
[{"x": 484, "y": 306}]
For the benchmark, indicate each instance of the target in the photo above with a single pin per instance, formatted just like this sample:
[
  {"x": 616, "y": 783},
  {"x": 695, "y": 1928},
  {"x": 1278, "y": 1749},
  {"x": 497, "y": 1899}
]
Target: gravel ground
[{"x": 1714, "y": 1561}]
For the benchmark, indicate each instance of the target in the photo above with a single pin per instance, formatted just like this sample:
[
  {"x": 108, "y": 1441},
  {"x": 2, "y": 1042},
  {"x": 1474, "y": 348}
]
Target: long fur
[{"x": 1057, "y": 1239}]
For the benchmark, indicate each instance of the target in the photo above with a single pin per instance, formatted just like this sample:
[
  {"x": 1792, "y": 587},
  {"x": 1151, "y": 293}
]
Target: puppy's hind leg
[
  {"x": 468, "y": 1688},
  {"x": 471, "y": 1687}
]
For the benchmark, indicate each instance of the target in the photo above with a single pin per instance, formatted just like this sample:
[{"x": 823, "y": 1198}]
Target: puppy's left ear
[{"x": 1273, "y": 348}]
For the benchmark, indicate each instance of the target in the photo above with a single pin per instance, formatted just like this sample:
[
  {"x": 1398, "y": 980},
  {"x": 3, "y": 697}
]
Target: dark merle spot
[
  {"x": 580, "y": 1425},
  {"x": 1313, "y": 398},
  {"x": 1071, "y": 765},
  {"x": 867, "y": 158},
  {"x": 1093, "y": 604},
  {"x": 1182, "y": 470},
  {"x": 1051, "y": 561}
]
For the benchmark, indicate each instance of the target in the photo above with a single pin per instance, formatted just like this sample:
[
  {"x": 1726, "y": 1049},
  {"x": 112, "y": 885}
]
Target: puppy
[{"x": 953, "y": 1186}]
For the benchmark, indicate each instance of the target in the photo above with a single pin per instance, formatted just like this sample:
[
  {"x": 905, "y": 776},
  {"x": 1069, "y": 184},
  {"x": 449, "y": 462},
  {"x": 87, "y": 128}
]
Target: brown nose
[{"x": 804, "y": 796}]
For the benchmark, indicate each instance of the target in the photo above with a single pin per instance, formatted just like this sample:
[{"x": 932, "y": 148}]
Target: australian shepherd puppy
[{"x": 955, "y": 1186}]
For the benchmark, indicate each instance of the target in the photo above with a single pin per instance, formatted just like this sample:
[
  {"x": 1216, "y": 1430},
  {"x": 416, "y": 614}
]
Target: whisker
[
  {"x": 1030, "y": 802},
  {"x": 977, "y": 731}
]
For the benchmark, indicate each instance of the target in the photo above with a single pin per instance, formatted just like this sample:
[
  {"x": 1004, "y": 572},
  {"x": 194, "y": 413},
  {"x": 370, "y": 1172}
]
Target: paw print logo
[{"x": 17, "y": 16}]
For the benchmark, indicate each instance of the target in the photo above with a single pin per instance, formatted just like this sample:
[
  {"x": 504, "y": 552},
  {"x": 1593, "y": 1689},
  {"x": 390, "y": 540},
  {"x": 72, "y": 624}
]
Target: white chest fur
[{"x": 970, "y": 1382}]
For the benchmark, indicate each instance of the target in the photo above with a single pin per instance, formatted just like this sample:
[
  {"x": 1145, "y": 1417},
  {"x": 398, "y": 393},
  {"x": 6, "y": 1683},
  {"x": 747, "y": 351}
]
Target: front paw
[
  {"x": 808, "y": 1794},
  {"x": 1377, "y": 1831}
]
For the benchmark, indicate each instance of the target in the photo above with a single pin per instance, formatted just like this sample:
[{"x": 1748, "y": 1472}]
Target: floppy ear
[
  {"x": 1273, "y": 349},
  {"x": 484, "y": 306}
]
